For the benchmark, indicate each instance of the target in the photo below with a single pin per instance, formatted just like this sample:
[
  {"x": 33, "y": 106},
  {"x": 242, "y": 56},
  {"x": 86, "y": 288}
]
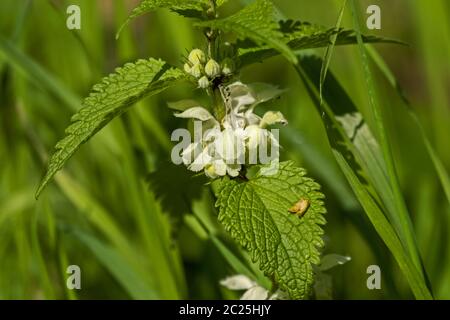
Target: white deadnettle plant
[
  {"x": 241, "y": 135},
  {"x": 255, "y": 209}
]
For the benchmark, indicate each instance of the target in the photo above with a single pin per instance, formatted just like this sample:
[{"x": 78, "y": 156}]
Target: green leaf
[
  {"x": 255, "y": 213},
  {"x": 109, "y": 99},
  {"x": 187, "y": 8},
  {"x": 255, "y": 22},
  {"x": 303, "y": 35}
]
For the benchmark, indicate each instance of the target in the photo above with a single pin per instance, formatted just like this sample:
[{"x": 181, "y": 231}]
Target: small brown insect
[{"x": 300, "y": 207}]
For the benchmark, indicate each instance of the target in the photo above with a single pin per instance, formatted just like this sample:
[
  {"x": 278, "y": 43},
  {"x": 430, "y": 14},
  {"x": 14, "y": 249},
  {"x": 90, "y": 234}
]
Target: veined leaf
[
  {"x": 188, "y": 8},
  {"x": 109, "y": 99},
  {"x": 303, "y": 35},
  {"x": 255, "y": 22},
  {"x": 255, "y": 212}
]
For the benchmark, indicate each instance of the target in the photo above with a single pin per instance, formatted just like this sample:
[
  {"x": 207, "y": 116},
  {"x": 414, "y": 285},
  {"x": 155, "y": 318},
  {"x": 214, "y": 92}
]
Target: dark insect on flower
[{"x": 300, "y": 207}]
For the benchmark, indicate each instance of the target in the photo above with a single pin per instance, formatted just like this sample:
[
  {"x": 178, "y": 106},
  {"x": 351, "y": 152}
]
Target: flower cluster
[
  {"x": 240, "y": 137},
  {"x": 205, "y": 71}
]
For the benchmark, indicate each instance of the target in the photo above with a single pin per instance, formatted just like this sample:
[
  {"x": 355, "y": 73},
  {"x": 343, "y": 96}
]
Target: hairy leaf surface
[
  {"x": 255, "y": 212},
  {"x": 187, "y": 8},
  {"x": 303, "y": 35},
  {"x": 107, "y": 100},
  {"x": 255, "y": 22}
]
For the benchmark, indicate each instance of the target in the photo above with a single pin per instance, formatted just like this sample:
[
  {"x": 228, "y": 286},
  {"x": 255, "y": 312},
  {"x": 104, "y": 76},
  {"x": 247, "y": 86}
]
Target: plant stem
[{"x": 211, "y": 36}]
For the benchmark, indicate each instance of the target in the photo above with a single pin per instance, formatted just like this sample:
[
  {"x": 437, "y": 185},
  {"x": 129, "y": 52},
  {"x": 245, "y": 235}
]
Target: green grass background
[{"x": 138, "y": 237}]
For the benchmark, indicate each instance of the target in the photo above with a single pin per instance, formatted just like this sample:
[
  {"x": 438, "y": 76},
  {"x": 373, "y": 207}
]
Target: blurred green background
[{"x": 121, "y": 212}]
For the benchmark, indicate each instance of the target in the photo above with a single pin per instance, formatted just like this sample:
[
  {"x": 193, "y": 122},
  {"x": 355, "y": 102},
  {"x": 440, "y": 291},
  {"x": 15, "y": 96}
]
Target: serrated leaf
[
  {"x": 108, "y": 99},
  {"x": 255, "y": 212},
  {"x": 303, "y": 35},
  {"x": 255, "y": 22},
  {"x": 187, "y": 8}
]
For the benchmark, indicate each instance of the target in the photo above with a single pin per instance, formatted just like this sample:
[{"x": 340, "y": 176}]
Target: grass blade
[
  {"x": 385, "y": 230},
  {"x": 329, "y": 51},
  {"x": 402, "y": 221},
  {"x": 438, "y": 164},
  {"x": 344, "y": 149}
]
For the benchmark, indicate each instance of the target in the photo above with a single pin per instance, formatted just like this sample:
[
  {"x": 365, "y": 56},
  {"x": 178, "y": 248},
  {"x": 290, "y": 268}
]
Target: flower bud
[
  {"x": 212, "y": 69},
  {"x": 210, "y": 171},
  {"x": 187, "y": 68},
  {"x": 272, "y": 117},
  {"x": 197, "y": 70},
  {"x": 203, "y": 82},
  {"x": 197, "y": 56},
  {"x": 227, "y": 66}
]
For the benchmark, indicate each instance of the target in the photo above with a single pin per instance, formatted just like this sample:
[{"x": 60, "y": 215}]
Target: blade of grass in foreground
[
  {"x": 402, "y": 222},
  {"x": 347, "y": 156},
  {"x": 438, "y": 165},
  {"x": 385, "y": 230},
  {"x": 329, "y": 51}
]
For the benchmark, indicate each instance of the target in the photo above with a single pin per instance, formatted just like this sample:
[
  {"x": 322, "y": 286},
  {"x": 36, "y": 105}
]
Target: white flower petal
[
  {"x": 279, "y": 295},
  {"x": 199, "y": 113},
  {"x": 265, "y": 92},
  {"x": 273, "y": 117},
  {"x": 254, "y": 136},
  {"x": 228, "y": 146},
  {"x": 233, "y": 170},
  {"x": 190, "y": 152},
  {"x": 238, "y": 282},
  {"x": 201, "y": 161},
  {"x": 255, "y": 293},
  {"x": 220, "y": 167},
  {"x": 332, "y": 260}
]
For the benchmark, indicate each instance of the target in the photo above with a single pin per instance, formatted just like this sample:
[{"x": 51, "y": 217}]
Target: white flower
[
  {"x": 212, "y": 69},
  {"x": 223, "y": 146},
  {"x": 197, "y": 56},
  {"x": 323, "y": 283},
  {"x": 203, "y": 82},
  {"x": 241, "y": 100},
  {"x": 217, "y": 151},
  {"x": 253, "y": 291},
  {"x": 196, "y": 70},
  {"x": 187, "y": 68}
]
